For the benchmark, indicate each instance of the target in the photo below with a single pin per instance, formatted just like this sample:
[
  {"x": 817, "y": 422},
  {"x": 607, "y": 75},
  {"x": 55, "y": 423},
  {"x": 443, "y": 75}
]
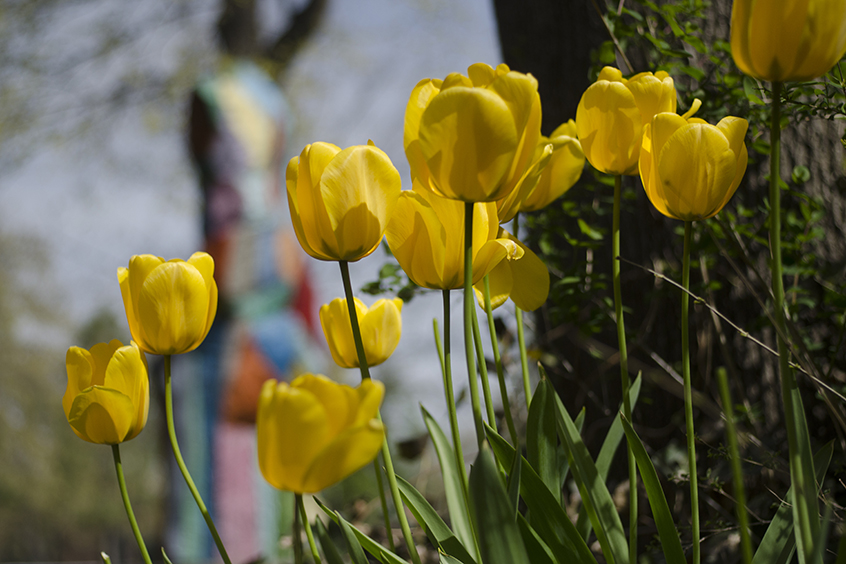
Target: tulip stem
[
  {"x": 469, "y": 300},
  {"x": 356, "y": 329},
  {"x": 309, "y": 535},
  {"x": 500, "y": 372},
  {"x": 688, "y": 397},
  {"x": 129, "y": 513},
  {"x": 384, "y": 501},
  {"x": 521, "y": 336},
  {"x": 805, "y": 511},
  {"x": 450, "y": 395},
  {"x": 171, "y": 431},
  {"x": 296, "y": 537},
  {"x": 386, "y": 451},
  {"x": 736, "y": 467},
  {"x": 483, "y": 370},
  {"x": 624, "y": 362}
]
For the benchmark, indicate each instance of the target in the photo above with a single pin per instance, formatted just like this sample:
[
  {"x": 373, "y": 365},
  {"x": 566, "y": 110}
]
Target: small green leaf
[
  {"x": 107, "y": 560},
  {"x": 330, "y": 551},
  {"x": 537, "y": 550},
  {"x": 667, "y": 533},
  {"x": 542, "y": 439},
  {"x": 499, "y": 537},
  {"x": 588, "y": 230},
  {"x": 436, "y": 529},
  {"x": 514, "y": 483},
  {"x": 353, "y": 545},
  {"x": 368, "y": 544},
  {"x": 453, "y": 488},
  {"x": 800, "y": 174},
  {"x": 595, "y": 496}
]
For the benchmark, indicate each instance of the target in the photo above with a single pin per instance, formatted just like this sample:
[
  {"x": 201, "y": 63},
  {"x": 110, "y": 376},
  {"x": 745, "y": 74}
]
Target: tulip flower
[
  {"x": 563, "y": 170},
  {"x": 611, "y": 115},
  {"x": 381, "y": 327},
  {"x": 170, "y": 305},
  {"x": 314, "y": 432},
  {"x": 473, "y": 138},
  {"x": 778, "y": 41},
  {"x": 340, "y": 200},
  {"x": 108, "y": 394},
  {"x": 525, "y": 280},
  {"x": 423, "y": 237},
  {"x": 691, "y": 169}
]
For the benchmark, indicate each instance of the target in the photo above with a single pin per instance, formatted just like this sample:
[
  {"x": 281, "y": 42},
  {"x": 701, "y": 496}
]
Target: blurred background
[{"x": 163, "y": 127}]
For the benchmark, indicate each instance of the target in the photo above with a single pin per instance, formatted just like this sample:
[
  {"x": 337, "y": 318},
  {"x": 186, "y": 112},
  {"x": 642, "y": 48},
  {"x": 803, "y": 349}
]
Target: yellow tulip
[
  {"x": 380, "y": 326},
  {"x": 563, "y": 170},
  {"x": 691, "y": 169},
  {"x": 779, "y": 40},
  {"x": 611, "y": 115},
  {"x": 314, "y": 432},
  {"x": 108, "y": 394},
  {"x": 525, "y": 280},
  {"x": 426, "y": 237},
  {"x": 170, "y": 305},
  {"x": 340, "y": 200},
  {"x": 472, "y": 138}
]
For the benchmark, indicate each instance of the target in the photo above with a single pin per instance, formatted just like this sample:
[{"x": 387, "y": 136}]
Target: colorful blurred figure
[{"x": 266, "y": 320}]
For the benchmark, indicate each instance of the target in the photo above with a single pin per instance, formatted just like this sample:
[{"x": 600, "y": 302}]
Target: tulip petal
[
  {"x": 652, "y": 95},
  {"x": 292, "y": 430},
  {"x": 126, "y": 372},
  {"x": 131, "y": 281},
  {"x": 491, "y": 254},
  {"x": 560, "y": 174},
  {"x": 80, "y": 369},
  {"x": 359, "y": 188},
  {"x": 340, "y": 402},
  {"x": 348, "y": 452},
  {"x": 337, "y": 328},
  {"x": 381, "y": 328},
  {"x": 420, "y": 97},
  {"x": 500, "y": 282},
  {"x": 370, "y": 394},
  {"x": 530, "y": 276},
  {"x": 102, "y": 415},
  {"x": 696, "y": 166},
  {"x": 609, "y": 125},
  {"x": 173, "y": 306},
  {"x": 418, "y": 240},
  {"x": 468, "y": 138}
]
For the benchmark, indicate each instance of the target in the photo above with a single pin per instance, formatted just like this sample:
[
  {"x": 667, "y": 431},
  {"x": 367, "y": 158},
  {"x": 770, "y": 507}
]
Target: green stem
[
  {"x": 483, "y": 369},
  {"x": 304, "y": 516},
  {"x": 295, "y": 536},
  {"x": 805, "y": 511},
  {"x": 384, "y": 501},
  {"x": 521, "y": 337},
  {"x": 688, "y": 397},
  {"x": 450, "y": 395},
  {"x": 500, "y": 372},
  {"x": 129, "y": 513},
  {"x": 171, "y": 431},
  {"x": 736, "y": 468},
  {"x": 386, "y": 452},
  {"x": 359, "y": 344},
  {"x": 469, "y": 299},
  {"x": 624, "y": 362}
]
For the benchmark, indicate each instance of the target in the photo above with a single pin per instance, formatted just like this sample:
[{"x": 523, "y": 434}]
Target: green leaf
[
  {"x": 778, "y": 543},
  {"x": 368, "y": 544},
  {"x": 330, "y": 551},
  {"x": 514, "y": 483},
  {"x": 551, "y": 521},
  {"x": 444, "y": 558},
  {"x": 608, "y": 450},
  {"x": 107, "y": 560},
  {"x": 588, "y": 230},
  {"x": 499, "y": 536},
  {"x": 800, "y": 174},
  {"x": 750, "y": 88},
  {"x": 595, "y": 496},
  {"x": 453, "y": 488},
  {"x": 353, "y": 545},
  {"x": 667, "y": 533},
  {"x": 436, "y": 529},
  {"x": 542, "y": 439},
  {"x": 537, "y": 550}
]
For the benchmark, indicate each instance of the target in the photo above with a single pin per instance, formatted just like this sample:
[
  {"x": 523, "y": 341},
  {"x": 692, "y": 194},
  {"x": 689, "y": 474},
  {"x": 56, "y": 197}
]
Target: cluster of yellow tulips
[{"x": 477, "y": 159}]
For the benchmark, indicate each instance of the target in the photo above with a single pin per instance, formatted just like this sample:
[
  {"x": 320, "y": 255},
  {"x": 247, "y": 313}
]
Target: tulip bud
[
  {"x": 611, "y": 115},
  {"x": 314, "y": 432},
  {"x": 780, "y": 41},
  {"x": 423, "y": 238},
  {"x": 108, "y": 394},
  {"x": 340, "y": 201},
  {"x": 472, "y": 138},
  {"x": 381, "y": 327},
  {"x": 170, "y": 305},
  {"x": 691, "y": 169}
]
